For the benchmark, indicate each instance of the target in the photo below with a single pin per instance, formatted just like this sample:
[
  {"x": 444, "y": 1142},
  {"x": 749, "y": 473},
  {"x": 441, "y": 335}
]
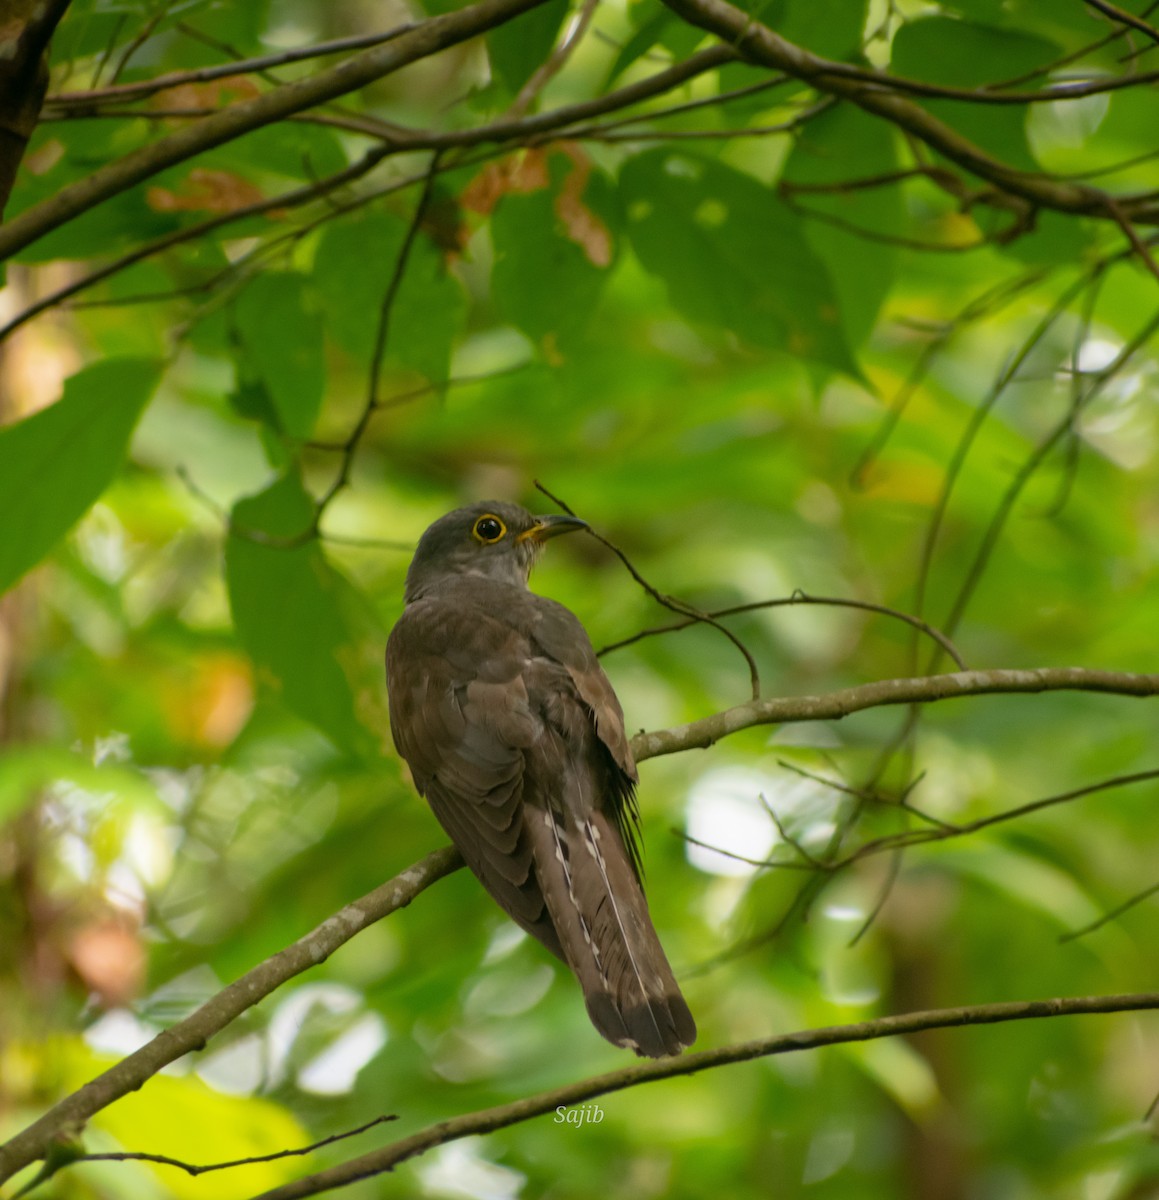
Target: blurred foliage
[{"x": 758, "y": 362}]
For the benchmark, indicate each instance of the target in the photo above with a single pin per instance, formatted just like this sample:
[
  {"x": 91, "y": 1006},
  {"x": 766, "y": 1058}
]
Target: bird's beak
[{"x": 551, "y": 526}]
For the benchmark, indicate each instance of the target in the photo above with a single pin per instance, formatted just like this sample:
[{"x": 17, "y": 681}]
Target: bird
[{"x": 514, "y": 735}]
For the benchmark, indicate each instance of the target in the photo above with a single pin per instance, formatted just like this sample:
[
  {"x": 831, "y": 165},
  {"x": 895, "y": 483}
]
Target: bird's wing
[
  {"x": 460, "y": 717},
  {"x": 517, "y": 741},
  {"x": 561, "y": 637}
]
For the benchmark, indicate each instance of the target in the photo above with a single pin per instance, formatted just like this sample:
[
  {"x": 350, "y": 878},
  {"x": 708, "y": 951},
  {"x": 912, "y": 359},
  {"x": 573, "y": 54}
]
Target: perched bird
[{"x": 515, "y": 737}]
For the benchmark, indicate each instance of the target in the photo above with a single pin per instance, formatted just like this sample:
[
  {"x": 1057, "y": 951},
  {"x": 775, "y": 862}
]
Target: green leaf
[
  {"x": 289, "y": 608},
  {"x": 171, "y": 1116},
  {"x": 839, "y": 145},
  {"x": 733, "y": 255},
  {"x": 291, "y": 149},
  {"x": 56, "y": 463},
  {"x": 518, "y": 47},
  {"x": 77, "y": 149},
  {"x": 282, "y": 339},
  {"x": 662, "y": 27},
  {"x": 834, "y": 29},
  {"x": 955, "y": 53},
  {"x": 352, "y": 268},
  {"x": 549, "y": 271}
]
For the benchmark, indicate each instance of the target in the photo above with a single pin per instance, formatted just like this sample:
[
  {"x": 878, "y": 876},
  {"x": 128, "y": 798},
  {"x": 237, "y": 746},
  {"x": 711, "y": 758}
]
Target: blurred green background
[{"x": 673, "y": 332}]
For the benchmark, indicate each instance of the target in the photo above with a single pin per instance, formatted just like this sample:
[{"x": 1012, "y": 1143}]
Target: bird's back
[{"x": 515, "y": 736}]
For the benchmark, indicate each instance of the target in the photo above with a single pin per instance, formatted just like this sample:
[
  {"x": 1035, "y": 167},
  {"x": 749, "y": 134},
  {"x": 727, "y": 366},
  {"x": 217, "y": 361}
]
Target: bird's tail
[{"x": 607, "y": 935}]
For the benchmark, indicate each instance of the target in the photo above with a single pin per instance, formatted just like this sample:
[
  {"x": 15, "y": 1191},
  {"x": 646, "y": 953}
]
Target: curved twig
[{"x": 800, "y": 597}]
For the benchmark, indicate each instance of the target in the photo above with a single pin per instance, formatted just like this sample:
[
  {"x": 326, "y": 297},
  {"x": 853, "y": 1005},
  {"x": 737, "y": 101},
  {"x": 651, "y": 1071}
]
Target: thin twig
[
  {"x": 670, "y": 602},
  {"x": 800, "y": 597},
  {"x": 140, "y": 38},
  {"x": 1132, "y": 234},
  {"x": 429, "y": 37},
  {"x": 1106, "y": 918},
  {"x": 1125, "y": 18},
  {"x": 504, "y": 1115},
  {"x": 148, "y": 87},
  {"x": 290, "y": 199},
  {"x": 205, "y": 1168},
  {"x": 397, "y": 141},
  {"x": 554, "y": 62},
  {"x": 978, "y": 418},
  {"x": 1024, "y": 474},
  {"x": 987, "y": 304},
  {"x": 418, "y": 393},
  {"x": 381, "y": 338},
  {"x": 895, "y": 860},
  {"x": 924, "y": 689}
]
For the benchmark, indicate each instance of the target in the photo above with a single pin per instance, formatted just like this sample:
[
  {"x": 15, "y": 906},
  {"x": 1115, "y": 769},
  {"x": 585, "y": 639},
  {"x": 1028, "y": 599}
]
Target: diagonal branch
[
  {"x": 832, "y": 706},
  {"x": 501, "y": 1116},
  {"x": 1125, "y": 18},
  {"x": 396, "y": 140},
  {"x": 425, "y": 39},
  {"x": 315, "y": 947},
  {"x": 74, "y": 103},
  {"x": 878, "y": 94},
  {"x": 215, "y": 1014}
]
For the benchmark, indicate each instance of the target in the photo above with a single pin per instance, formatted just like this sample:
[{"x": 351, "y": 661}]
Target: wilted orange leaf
[
  {"x": 528, "y": 172},
  {"x": 218, "y": 93},
  {"x": 205, "y": 190}
]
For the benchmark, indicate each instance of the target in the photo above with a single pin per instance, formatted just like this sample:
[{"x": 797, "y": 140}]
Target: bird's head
[{"x": 493, "y": 539}]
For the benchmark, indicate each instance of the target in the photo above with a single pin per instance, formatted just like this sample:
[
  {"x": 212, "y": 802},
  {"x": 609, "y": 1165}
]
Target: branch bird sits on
[{"x": 515, "y": 737}]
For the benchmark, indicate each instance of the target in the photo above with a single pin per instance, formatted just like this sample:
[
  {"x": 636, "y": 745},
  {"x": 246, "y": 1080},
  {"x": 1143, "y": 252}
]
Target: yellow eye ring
[{"x": 488, "y": 529}]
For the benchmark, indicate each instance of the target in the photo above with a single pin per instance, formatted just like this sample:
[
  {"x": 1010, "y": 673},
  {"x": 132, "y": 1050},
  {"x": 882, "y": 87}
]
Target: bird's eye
[{"x": 488, "y": 529}]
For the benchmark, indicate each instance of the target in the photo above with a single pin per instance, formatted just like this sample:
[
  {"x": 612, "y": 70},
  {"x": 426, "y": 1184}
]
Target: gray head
[{"x": 492, "y": 539}]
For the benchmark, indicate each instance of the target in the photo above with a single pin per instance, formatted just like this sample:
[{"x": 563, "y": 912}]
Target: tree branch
[
  {"x": 877, "y": 93},
  {"x": 833, "y": 706},
  {"x": 76, "y": 103},
  {"x": 215, "y": 1014},
  {"x": 501, "y": 1116},
  {"x": 397, "y": 140},
  {"x": 422, "y": 41},
  {"x": 26, "y": 29},
  {"x": 1125, "y": 18},
  {"x": 315, "y": 947}
]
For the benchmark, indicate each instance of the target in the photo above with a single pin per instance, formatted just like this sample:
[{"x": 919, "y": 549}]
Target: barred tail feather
[{"x": 601, "y": 917}]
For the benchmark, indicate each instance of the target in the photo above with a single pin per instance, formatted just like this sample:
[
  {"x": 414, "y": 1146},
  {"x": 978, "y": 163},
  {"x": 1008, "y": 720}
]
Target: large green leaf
[
  {"x": 518, "y": 47},
  {"x": 549, "y": 271},
  {"x": 659, "y": 26},
  {"x": 281, "y": 334},
  {"x": 834, "y": 29},
  {"x": 840, "y": 145},
  {"x": 353, "y": 266},
  {"x": 955, "y": 53},
  {"x": 55, "y": 463},
  {"x": 75, "y": 149},
  {"x": 733, "y": 255},
  {"x": 289, "y": 608}
]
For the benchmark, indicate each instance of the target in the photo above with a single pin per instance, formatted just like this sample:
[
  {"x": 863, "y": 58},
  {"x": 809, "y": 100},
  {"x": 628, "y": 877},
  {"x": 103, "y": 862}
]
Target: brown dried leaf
[
  {"x": 519, "y": 174},
  {"x": 205, "y": 190},
  {"x": 582, "y": 225},
  {"x": 218, "y": 93}
]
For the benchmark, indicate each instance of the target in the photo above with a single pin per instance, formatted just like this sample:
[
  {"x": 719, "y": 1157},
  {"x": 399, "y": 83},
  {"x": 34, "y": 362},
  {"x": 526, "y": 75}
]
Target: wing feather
[{"x": 515, "y": 736}]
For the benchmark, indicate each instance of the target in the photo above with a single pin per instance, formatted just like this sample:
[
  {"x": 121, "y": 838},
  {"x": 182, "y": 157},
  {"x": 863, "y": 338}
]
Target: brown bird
[{"x": 514, "y": 735}]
